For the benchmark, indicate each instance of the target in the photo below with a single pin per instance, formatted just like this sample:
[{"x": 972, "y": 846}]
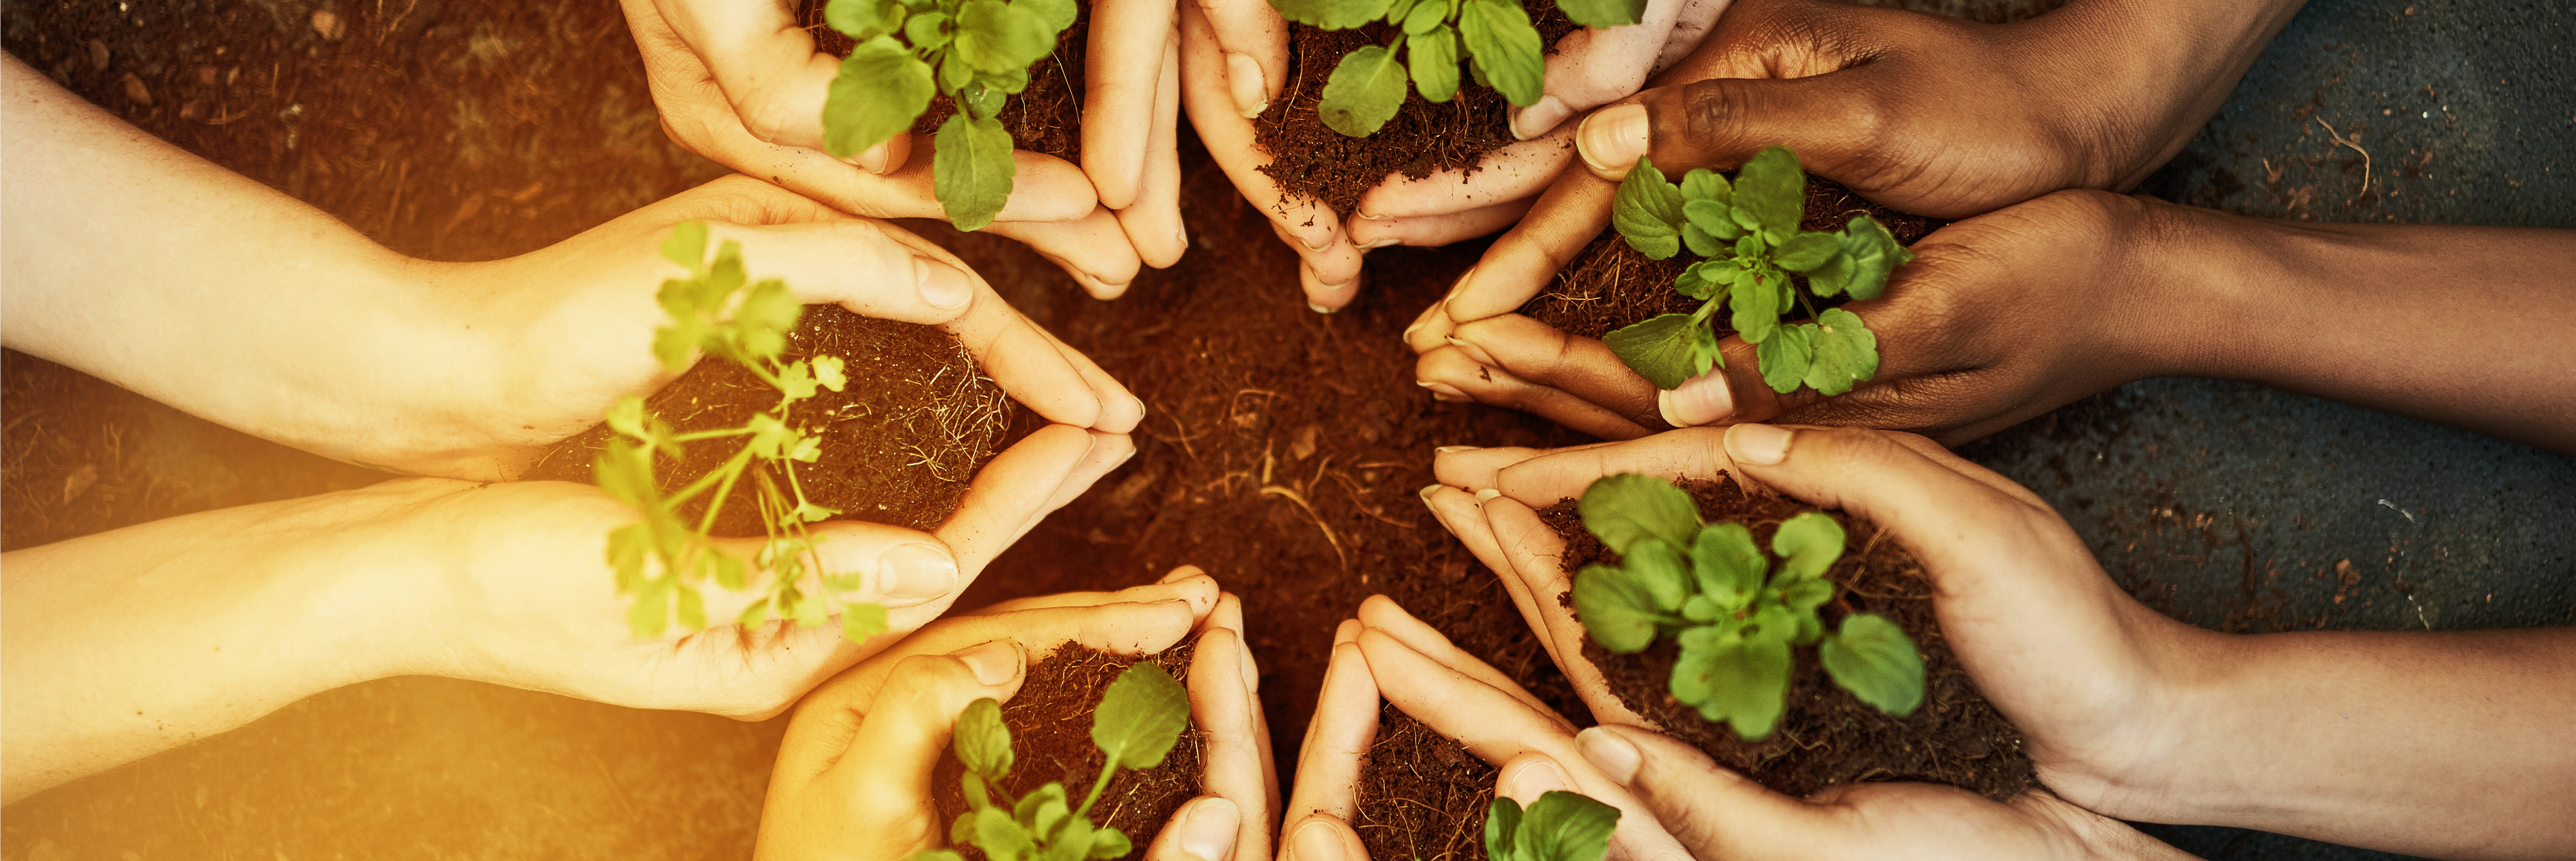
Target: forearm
[
  {"x": 139, "y": 263},
  {"x": 2451, "y": 744},
  {"x": 125, "y": 643},
  {"x": 2462, "y": 325},
  {"x": 2155, "y": 72}
]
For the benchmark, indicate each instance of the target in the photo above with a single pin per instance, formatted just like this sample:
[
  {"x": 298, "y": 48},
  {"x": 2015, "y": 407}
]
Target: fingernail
[
  {"x": 1207, "y": 828},
  {"x": 941, "y": 284},
  {"x": 1614, "y": 756},
  {"x": 872, "y": 159},
  {"x": 1533, "y": 779},
  {"x": 1140, "y": 406},
  {"x": 1612, "y": 139},
  {"x": 1429, "y": 489},
  {"x": 1459, "y": 286},
  {"x": 914, "y": 573},
  {"x": 1381, "y": 242},
  {"x": 1540, "y": 118},
  {"x": 1418, "y": 323},
  {"x": 993, "y": 663},
  {"x": 1315, "y": 841},
  {"x": 1760, "y": 445},
  {"x": 1319, "y": 309},
  {"x": 1473, "y": 352},
  {"x": 1487, "y": 494},
  {"x": 1454, "y": 449},
  {"x": 1442, "y": 391},
  {"x": 1250, "y": 88},
  {"x": 1700, "y": 400}
]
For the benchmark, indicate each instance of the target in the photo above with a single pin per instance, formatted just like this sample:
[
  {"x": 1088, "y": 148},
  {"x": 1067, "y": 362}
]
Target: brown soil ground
[
  {"x": 1610, "y": 285},
  {"x": 1827, "y": 736},
  {"x": 1314, "y": 161},
  {"x": 1045, "y": 118},
  {"x": 1050, "y": 721},
  {"x": 903, "y": 438},
  {"x": 1422, "y": 796}
]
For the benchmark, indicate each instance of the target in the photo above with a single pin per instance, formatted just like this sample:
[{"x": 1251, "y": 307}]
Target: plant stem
[{"x": 1107, "y": 767}]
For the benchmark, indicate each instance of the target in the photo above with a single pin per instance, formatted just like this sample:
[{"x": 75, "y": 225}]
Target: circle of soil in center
[
  {"x": 1045, "y": 118},
  {"x": 1050, "y": 723},
  {"x": 1310, "y": 160},
  {"x": 1610, "y": 284},
  {"x": 1827, "y": 736},
  {"x": 899, "y": 442}
]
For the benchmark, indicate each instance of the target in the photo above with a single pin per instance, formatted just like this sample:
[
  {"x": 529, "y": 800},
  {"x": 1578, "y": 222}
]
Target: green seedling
[
  {"x": 1746, "y": 234},
  {"x": 1559, "y": 826},
  {"x": 1493, "y": 37},
  {"x": 1735, "y": 612},
  {"x": 975, "y": 52},
  {"x": 716, "y": 310},
  {"x": 1140, "y": 717}
]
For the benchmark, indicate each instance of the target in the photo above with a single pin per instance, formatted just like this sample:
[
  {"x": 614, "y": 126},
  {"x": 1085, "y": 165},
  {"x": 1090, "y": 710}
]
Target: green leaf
[
  {"x": 687, "y": 246},
  {"x": 983, "y": 742},
  {"x": 980, "y": 100},
  {"x": 1043, "y": 810},
  {"x": 1564, "y": 826},
  {"x": 973, "y": 169},
  {"x": 978, "y": 797},
  {"x": 828, "y": 371},
  {"x": 1055, "y": 15},
  {"x": 1805, "y": 593},
  {"x": 1808, "y": 544},
  {"x": 1806, "y": 251},
  {"x": 1702, "y": 184},
  {"x": 1714, "y": 218},
  {"x": 1499, "y": 35},
  {"x": 862, "y": 20},
  {"x": 1660, "y": 349},
  {"x": 1069, "y": 841},
  {"x": 1660, "y": 570},
  {"x": 994, "y": 36},
  {"x": 862, "y": 621},
  {"x": 1365, "y": 90},
  {"x": 1618, "y": 613},
  {"x": 954, "y": 72},
  {"x": 1426, "y": 17},
  {"x": 1700, "y": 242},
  {"x": 938, "y": 854},
  {"x": 1627, "y": 508},
  {"x": 1502, "y": 827},
  {"x": 927, "y": 31},
  {"x": 1009, "y": 82},
  {"x": 880, "y": 90},
  {"x": 1603, "y": 13},
  {"x": 1785, "y": 355},
  {"x": 1846, "y": 352},
  {"x": 1872, "y": 658},
  {"x": 651, "y": 613},
  {"x": 1772, "y": 188},
  {"x": 1705, "y": 278},
  {"x": 1109, "y": 843},
  {"x": 1874, "y": 253},
  {"x": 1140, "y": 717},
  {"x": 1727, "y": 565},
  {"x": 1755, "y": 304},
  {"x": 1398, "y": 10},
  {"x": 1729, "y": 677},
  {"x": 1433, "y": 58},
  {"x": 1331, "y": 14},
  {"x": 1647, "y": 210},
  {"x": 753, "y": 616},
  {"x": 1001, "y": 837}
]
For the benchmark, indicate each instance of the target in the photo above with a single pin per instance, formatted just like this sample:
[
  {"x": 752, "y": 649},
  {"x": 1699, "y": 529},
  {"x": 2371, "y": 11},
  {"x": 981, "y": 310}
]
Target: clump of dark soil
[
  {"x": 1610, "y": 285},
  {"x": 1313, "y": 161},
  {"x": 1045, "y": 118},
  {"x": 1050, "y": 721},
  {"x": 900, "y": 442},
  {"x": 1422, "y": 796},
  {"x": 1827, "y": 736}
]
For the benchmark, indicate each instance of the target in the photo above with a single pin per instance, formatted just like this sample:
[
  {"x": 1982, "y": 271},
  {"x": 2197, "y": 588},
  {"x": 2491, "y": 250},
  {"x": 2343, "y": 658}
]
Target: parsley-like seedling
[
  {"x": 716, "y": 311},
  {"x": 1493, "y": 37},
  {"x": 1139, "y": 719},
  {"x": 1747, "y": 232},
  {"x": 1734, "y": 612},
  {"x": 1559, "y": 826},
  {"x": 975, "y": 52}
]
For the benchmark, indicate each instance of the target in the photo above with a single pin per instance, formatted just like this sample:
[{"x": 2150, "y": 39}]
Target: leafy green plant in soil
[
  {"x": 976, "y": 52},
  {"x": 1735, "y": 612},
  {"x": 1559, "y": 826},
  {"x": 1746, "y": 234},
  {"x": 1494, "y": 38},
  {"x": 1139, "y": 719}
]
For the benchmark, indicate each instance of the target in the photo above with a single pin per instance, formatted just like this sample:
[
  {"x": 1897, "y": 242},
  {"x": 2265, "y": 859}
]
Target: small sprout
[
  {"x": 975, "y": 52},
  {"x": 1746, "y": 234},
  {"x": 1734, "y": 612},
  {"x": 1559, "y": 826},
  {"x": 1493, "y": 37},
  {"x": 716, "y": 311},
  {"x": 1140, "y": 717}
]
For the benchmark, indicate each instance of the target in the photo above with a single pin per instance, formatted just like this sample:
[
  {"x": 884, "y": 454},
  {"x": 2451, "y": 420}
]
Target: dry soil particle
[
  {"x": 1422, "y": 796},
  {"x": 1050, "y": 721}
]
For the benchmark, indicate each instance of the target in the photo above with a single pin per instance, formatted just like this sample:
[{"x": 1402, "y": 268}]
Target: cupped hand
[
  {"x": 1234, "y": 61},
  {"x": 853, "y": 774},
  {"x": 742, "y": 85},
  {"x": 1388, "y": 653},
  {"x": 570, "y": 327},
  {"x": 2083, "y": 670},
  {"x": 1999, "y": 318}
]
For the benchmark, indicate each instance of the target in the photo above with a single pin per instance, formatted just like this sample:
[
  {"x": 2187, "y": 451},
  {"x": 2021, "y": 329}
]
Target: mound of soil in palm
[
  {"x": 1827, "y": 736},
  {"x": 1421, "y": 795},
  {"x": 1050, "y": 721},
  {"x": 1045, "y": 118},
  {"x": 1610, "y": 285},
  {"x": 900, "y": 441},
  {"x": 1311, "y": 160}
]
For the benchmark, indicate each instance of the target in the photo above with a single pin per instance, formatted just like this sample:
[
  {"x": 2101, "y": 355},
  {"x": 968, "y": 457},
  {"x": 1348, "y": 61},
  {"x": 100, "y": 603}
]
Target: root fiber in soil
[
  {"x": 900, "y": 441},
  {"x": 1050, "y": 722},
  {"x": 1827, "y": 736},
  {"x": 1045, "y": 118},
  {"x": 1422, "y": 796}
]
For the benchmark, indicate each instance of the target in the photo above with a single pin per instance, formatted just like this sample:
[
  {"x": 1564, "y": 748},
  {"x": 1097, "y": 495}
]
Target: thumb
[
  {"x": 863, "y": 264},
  {"x": 1720, "y": 122},
  {"x": 1204, "y": 829},
  {"x": 1733, "y": 393},
  {"x": 908, "y": 727}
]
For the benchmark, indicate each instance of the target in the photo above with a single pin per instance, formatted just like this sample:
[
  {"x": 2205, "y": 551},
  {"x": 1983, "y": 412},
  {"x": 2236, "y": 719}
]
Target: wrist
[{"x": 2156, "y": 70}]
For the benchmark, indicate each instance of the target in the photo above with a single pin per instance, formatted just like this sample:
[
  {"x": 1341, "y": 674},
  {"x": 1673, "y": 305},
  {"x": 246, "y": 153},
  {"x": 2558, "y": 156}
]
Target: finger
[
  {"x": 1310, "y": 228},
  {"x": 1025, "y": 361},
  {"x": 1594, "y": 66},
  {"x": 858, "y": 771},
  {"x": 1474, "y": 468},
  {"x": 1525, "y": 260},
  {"x": 1337, "y": 738},
  {"x": 1322, "y": 837},
  {"x": 1224, "y": 706},
  {"x": 1830, "y": 120},
  {"x": 1436, "y": 230},
  {"x": 1153, "y": 222},
  {"x": 1431, "y": 328},
  {"x": 1203, "y": 829},
  {"x": 1120, "y": 628},
  {"x": 857, "y": 263},
  {"x": 1008, "y": 493},
  {"x": 1043, "y": 187},
  {"x": 1458, "y": 511},
  {"x": 1714, "y": 813},
  {"x": 1122, "y": 71},
  {"x": 897, "y": 567},
  {"x": 1689, "y": 453},
  {"x": 1519, "y": 171},
  {"x": 765, "y": 63},
  {"x": 1534, "y": 555},
  {"x": 1120, "y": 410},
  {"x": 1094, "y": 249},
  {"x": 1251, "y": 43},
  {"x": 1539, "y": 355},
  {"x": 1450, "y": 371},
  {"x": 1383, "y": 615},
  {"x": 1324, "y": 295},
  {"x": 1200, "y": 590}
]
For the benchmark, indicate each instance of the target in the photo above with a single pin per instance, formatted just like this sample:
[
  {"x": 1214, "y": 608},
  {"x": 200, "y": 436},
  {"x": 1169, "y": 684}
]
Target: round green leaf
[
  {"x": 983, "y": 743},
  {"x": 972, "y": 170},
  {"x": 1499, "y": 35},
  {"x": 1773, "y": 189},
  {"x": 1140, "y": 717},
  {"x": 1808, "y": 544},
  {"x": 1874, "y": 659},
  {"x": 1660, "y": 569},
  {"x": 1365, "y": 90},
  {"x": 1727, "y": 565},
  {"x": 1433, "y": 57},
  {"x": 1627, "y": 508},
  {"x": 880, "y": 90},
  {"x": 1846, "y": 352},
  {"x": 993, "y": 36},
  {"x": 1614, "y": 610},
  {"x": 1785, "y": 355},
  {"x": 1603, "y": 13}
]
